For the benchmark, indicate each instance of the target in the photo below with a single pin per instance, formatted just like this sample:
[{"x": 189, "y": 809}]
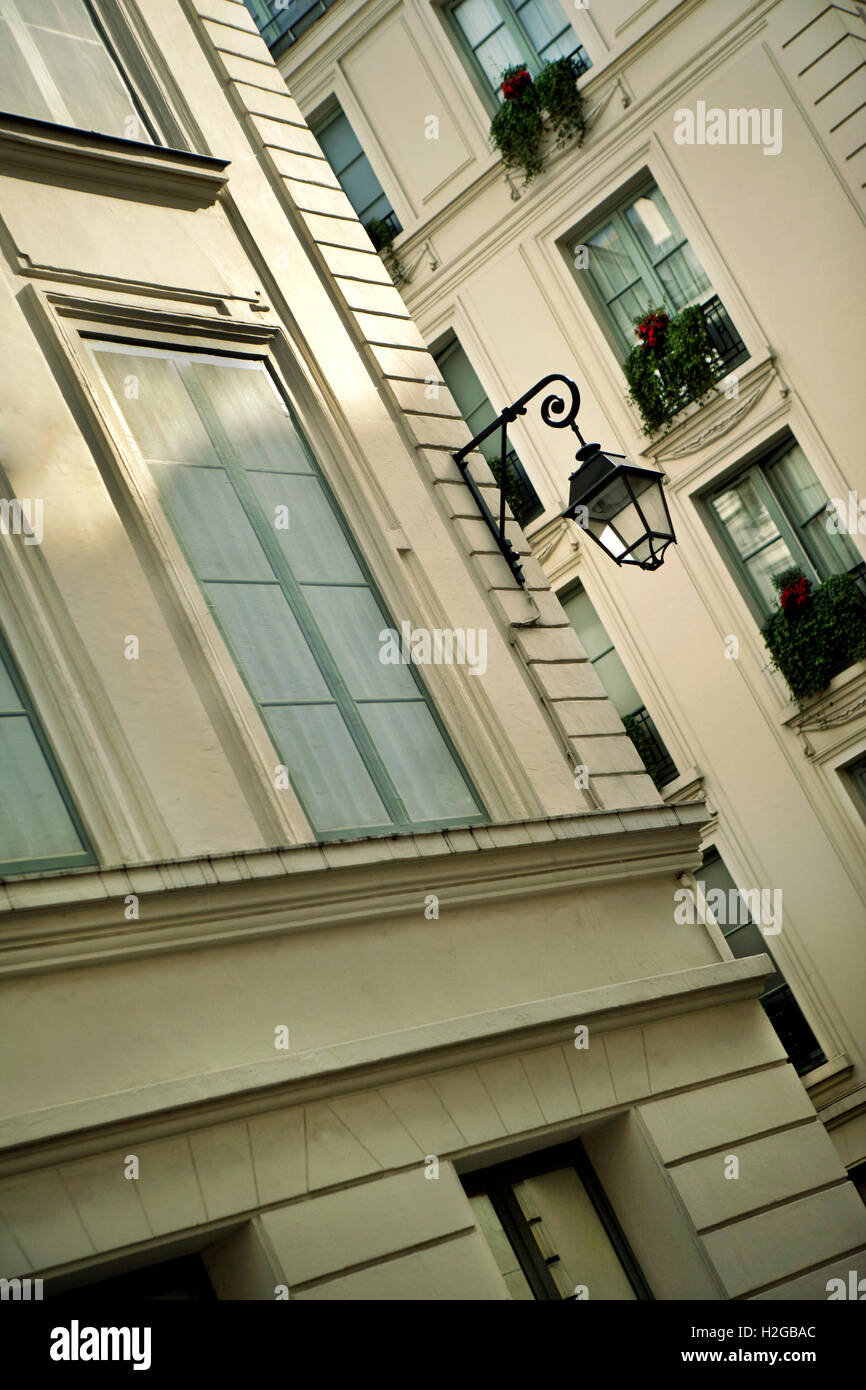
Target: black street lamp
[
  {"x": 619, "y": 504},
  {"x": 622, "y": 507}
]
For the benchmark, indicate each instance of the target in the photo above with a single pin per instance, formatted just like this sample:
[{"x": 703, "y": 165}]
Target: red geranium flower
[
  {"x": 795, "y": 595},
  {"x": 652, "y": 330},
  {"x": 515, "y": 84}
]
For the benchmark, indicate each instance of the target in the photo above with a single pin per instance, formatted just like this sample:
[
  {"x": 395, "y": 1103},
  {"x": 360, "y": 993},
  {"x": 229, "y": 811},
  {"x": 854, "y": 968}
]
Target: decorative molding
[
  {"x": 73, "y": 919},
  {"x": 695, "y": 437},
  {"x": 842, "y": 703},
  {"x": 150, "y": 320},
  {"x": 172, "y": 1107},
  {"x": 109, "y": 165}
]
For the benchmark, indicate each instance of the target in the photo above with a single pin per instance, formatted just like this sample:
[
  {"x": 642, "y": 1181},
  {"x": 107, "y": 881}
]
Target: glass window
[
  {"x": 56, "y": 64},
  {"x": 745, "y": 938},
  {"x": 354, "y": 171},
  {"x": 619, "y": 687},
  {"x": 505, "y": 33},
  {"x": 288, "y": 590},
  {"x": 639, "y": 259},
  {"x": 773, "y": 517},
  {"x": 552, "y": 1231},
  {"x": 38, "y": 826},
  {"x": 459, "y": 376},
  {"x": 281, "y": 22}
]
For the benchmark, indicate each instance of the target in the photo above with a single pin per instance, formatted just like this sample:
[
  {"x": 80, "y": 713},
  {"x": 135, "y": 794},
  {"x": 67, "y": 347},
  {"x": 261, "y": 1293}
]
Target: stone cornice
[
  {"x": 78, "y": 919},
  {"x": 109, "y": 165},
  {"x": 171, "y": 1107}
]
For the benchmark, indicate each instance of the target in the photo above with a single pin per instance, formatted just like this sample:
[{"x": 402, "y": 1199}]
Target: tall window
[
  {"x": 638, "y": 259},
  {"x": 39, "y": 828},
  {"x": 552, "y": 1231},
  {"x": 503, "y": 33},
  {"x": 289, "y": 591},
  {"x": 772, "y": 517},
  {"x": 56, "y": 64},
  {"x": 343, "y": 152},
  {"x": 746, "y": 939},
  {"x": 459, "y": 376},
  {"x": 617, "y": 683}
]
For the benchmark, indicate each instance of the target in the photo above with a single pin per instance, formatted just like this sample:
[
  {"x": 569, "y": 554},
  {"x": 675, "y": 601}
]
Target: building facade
[
  {"x": 345, "y": 941},
  {"x": 720, "y": 166}
]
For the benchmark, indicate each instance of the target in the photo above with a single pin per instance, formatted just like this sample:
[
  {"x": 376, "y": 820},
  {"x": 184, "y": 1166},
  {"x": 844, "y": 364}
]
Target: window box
[
  {"x": 519, "y": 128},
  {"x": 814, "y": 639}
]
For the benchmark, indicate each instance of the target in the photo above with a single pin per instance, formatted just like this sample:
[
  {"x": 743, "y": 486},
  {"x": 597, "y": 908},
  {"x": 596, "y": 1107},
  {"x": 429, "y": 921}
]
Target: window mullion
[
  {"x": 520, "y": 36},
  {"x": 643, "y": 261},
  {"x": 786, "y": 530},
  {"x": 295, "y": 597}
]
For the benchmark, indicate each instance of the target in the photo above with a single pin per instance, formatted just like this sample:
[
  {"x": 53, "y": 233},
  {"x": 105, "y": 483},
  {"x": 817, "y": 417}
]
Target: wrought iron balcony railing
[
  {"x": 725, "y": 341},
  {"x": 648, "y": 742},
  {"x": 519, "y": 492}
]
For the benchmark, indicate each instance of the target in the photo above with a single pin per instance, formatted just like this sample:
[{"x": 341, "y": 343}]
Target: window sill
[
  {"x": 846, "y": 692},
  {"x": 701, "y": 422},
  {"x": 827, "y": 1074},
  {"x": 108, "y": 164}
]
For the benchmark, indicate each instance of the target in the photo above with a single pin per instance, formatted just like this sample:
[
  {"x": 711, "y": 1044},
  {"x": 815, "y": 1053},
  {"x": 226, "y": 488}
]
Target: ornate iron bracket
[{"x": 551, "y": 407}]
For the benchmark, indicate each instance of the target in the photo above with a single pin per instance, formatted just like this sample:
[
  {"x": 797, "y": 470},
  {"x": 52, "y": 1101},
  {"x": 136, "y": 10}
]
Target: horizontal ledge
[
  {"x": 108, "y": 164},
  {"x": 375, "y": 1061},
  {"x": 76, "y": 918}
]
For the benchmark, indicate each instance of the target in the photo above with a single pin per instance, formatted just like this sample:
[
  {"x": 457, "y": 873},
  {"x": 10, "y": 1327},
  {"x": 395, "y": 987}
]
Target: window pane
[
  {"x": 571, "y": 1229},
  {"x": 805, "y": 503},
  {"x": 492, "y": 42},
  {"x": 19, "y": 90},
  {"x": 155, "y": 405},
  {"x": 257, "y": 424},
  {"x": 587, "y": 624},
  {"x": 350, "y": 621},
  {"x": 315, "y": 544},
  {"x": 765, "y": 567},
  {"x": 343, "y": 151},
  {"x": 748, "y": 940},
  {"x": 503, "y": 1253},
  {"x": 418, "y": 760},
  {"x": 326, "y": 767},
  {"x": 77, "y": 81},
  {"x": 267, "y": 642},
  {"x": 477, "y": 19},
  {"x": 34, "y": 821},
  {"x": 90, "y": 86},
  {"x": 204, "y": 508},
  {"x": 612, "y": 263},
  {"x": 617, "y": 684},
  {"x": 544, "y": 22},
  {"x": 683, "y": 277},
  {"x": 742, "y": 512},
  {"x": 654, "y": 225},
  {"x": 8, "y": 697}
]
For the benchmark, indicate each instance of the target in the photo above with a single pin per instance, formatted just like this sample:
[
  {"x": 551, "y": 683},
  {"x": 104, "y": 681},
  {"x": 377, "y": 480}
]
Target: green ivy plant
[
  {"x": 383, "y": 241},
  {"x": 814, "y": 636},
  {"x": 672, "y": 365},
  {"x": 560, "y": 96},
  {"x": 518, "y": 127}
]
